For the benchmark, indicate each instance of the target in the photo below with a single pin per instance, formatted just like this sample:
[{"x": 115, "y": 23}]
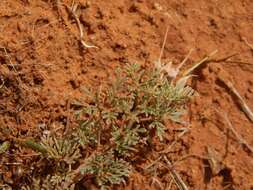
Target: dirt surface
[{"x": 43, "y": 67}]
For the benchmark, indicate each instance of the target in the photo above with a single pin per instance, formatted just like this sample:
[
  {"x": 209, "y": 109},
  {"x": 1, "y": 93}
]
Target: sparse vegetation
[
  {"x": 126, "y": 130},
  {"x": 115, "y": 123}
]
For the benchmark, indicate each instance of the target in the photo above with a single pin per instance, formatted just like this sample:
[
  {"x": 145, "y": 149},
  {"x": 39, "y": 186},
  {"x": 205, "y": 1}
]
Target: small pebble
[{"x": 158, "y": 7}]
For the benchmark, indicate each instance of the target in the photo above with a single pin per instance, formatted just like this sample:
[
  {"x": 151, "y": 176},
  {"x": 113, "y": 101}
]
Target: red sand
[{"x": 51, "y": 67}]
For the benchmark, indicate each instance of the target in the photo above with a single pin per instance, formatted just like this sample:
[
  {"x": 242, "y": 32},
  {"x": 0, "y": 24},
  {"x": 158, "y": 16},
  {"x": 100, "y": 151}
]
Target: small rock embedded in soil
[
  {"x": 75, "y": 84},
  {"x": 157, "y": 6}
]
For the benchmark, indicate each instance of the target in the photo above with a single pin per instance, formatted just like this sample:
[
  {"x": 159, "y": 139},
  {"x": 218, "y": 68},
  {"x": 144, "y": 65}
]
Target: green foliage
[
  {"x": 137, "y": 99},
  {"x": 160, "y": 128},
  {"x": 61, "y": 148},
  {"x": 114, "y": 122},
  {"x": 107, "y": 169},
  {"x": 87, "y": 133},
  {"x": 126, "y": 138},
  {"x": 4, "y": 147},
  {"x": 55, "y": 182}
]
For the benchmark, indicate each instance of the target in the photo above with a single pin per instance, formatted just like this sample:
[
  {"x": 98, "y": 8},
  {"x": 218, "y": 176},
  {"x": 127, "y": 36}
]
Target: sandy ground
[{"x": 43, "y": 67}]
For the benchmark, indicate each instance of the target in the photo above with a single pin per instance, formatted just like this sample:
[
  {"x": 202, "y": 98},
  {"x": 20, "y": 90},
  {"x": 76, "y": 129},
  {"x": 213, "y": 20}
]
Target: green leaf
[
  {"x": 4, "y": 147},
  {"x": 160, "y": 129},
  {"x": 106, "y": 169}
]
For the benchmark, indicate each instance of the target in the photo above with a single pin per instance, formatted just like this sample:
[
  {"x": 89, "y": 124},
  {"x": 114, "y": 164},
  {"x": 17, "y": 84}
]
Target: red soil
[{"x": 46, "y": 68}]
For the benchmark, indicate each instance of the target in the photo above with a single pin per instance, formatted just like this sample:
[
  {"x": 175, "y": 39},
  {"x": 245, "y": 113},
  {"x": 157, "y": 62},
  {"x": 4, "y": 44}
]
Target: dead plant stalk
[
  {"x": 73, "y": 10},
  {"x": 247, "y": 43},
  {"x": 242, "y": 103},
  {"x": 229, "y": 84},
  {"x": 236, "y": 134},
  {"x": 175, "y": 176}
]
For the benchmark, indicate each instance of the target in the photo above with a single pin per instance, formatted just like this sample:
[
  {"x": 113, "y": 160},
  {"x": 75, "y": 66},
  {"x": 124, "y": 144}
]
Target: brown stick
[
  {"x": 242, "y": 103},
  {"x": 1, "y": 86},
  {"x": 14, "y": 68},
  {"x": 229, "y": 84},
  {"x": 72, "y": 10},
  {"x": 247, "y": 43},
  {"x": 176, "y": 177},
  {"x": 185, "y": 130},
  {"x": 232, "y": 129},
  {"x": 196, "y": 65}
]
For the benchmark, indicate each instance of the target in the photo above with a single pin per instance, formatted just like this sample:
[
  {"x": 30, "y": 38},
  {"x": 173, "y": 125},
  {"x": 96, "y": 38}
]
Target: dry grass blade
[
  {"x": 185, "y": 130},
  {"x": 67, "y": 128},
  {"x": 242, "y": 103},
  {"x": 247, "y": 43},
  {"x": 199, "y": 157},
  {"x": 196, "y": 65},
  {"x": 232, "y": 129},
  {"x": 73, "y": 10},
  {"x": 171, "y": 71},
  {"x": 215, "y": 160},
  {"x": 176, "y": 177},
  {"x": 170, "y": 185},
  {"x": 163, "y": 46},
  {"x": 8, "y": 57},
  {"x": 153, "y": 163},
  {"x": 185, "y": 59},
  {"x": 2, "y": 85},
  {"x": 156, "y": 181}
]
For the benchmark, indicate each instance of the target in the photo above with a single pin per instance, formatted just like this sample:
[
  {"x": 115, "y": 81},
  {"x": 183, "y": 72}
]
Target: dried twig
[
  {"x": 232, "y": 129},
  {"x": 196, "y": 65},
  {"x": 176, "y": 177},
  {"x": 163, "y": 46},
  {"x": 73, "y": 10},
  {"x": 1, "y": 86},
  {"x": 199, "y": 157},
  {"x": 153, "y": 163},
  {"x": 229, "y": 84},
  {"x": 242, "y": 103},
  {"x": 184, "y": 131},
  {"x": 215, "y": 160},
  {"x": 247, "y": 43},
  {"x": 179, "y": 182},
  {"x": 14, "y": 68},
  {"x": 243, "y": 63},
  {"x": 68, "y": 117},
  {"x": 156, "y": 181},
  {"x": 170, "y": 70},
  {"x": 185, "y": 59},
  {"x": 223, "y": 59},
  {"x": 170, "y": 185},
  {"x": 9, "y": 58}
]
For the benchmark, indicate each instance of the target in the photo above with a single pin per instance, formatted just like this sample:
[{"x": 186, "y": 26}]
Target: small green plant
[
  {"x": 115, "y": 122},
  {"x": 61, "y": 149},
  {"x": 55, "y": 182},
  {"x": 137, "y": 101},
  {"x": 106, "y": 169},
  {"x": 4, "y": 147}
]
